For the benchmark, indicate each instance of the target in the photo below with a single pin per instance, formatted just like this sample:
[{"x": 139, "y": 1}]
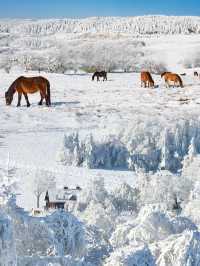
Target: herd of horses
[
  {"x": 29, "y": 85},
  {"x": 169, "y": 77}
]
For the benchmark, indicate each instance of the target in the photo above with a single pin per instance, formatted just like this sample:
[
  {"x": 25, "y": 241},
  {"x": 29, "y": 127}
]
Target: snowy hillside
[
  {"x": 127, "y": 157},
  {"x": 112, "y": 43},
  {"x": 128, "y": 25}
]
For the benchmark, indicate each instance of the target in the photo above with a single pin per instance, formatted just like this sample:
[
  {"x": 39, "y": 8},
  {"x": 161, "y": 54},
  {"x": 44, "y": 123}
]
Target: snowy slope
[
  {"x": 130, "y": 25},
  {"x": 57, "y": 45},
  {"x": 134, "y": 151}
]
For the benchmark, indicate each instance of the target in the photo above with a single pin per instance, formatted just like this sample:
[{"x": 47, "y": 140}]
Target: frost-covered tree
[
  {"x": 167, "y": 189},
  {"x": 43, "y": 181},
  {"x": 125, "y": 198}
]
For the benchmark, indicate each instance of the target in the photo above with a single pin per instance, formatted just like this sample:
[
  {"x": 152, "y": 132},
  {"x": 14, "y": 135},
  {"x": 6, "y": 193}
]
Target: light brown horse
[
  {"x": 172, "y": 77},
  {"x": 25, "y": 85},
  {"x": 146, "y": 79}
]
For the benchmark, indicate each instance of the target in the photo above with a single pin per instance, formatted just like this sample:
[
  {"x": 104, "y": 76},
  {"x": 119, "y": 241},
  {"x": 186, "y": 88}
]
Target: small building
[{"x": 65, "y": 199}]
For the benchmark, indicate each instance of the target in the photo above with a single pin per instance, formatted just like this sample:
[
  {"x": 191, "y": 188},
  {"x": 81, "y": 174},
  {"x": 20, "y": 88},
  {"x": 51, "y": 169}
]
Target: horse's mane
[
  {"x": 164, "y": 73},
  {"x": 12, "y": 88}
]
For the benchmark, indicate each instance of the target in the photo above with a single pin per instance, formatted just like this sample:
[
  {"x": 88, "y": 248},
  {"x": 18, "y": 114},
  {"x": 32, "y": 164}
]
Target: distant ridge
[{"x": 140, "y": 25}]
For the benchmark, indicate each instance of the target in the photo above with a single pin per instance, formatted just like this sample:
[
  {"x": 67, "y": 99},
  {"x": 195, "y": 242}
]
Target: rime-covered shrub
[
  {"x": 163, "y": 188},
  {"x": 125, "y": 198},
  {"x": 50, "y": 261},
  {"x": 131, "y": 255},
  {"x": 98, "y": 245},
  {"x": 99, "y": 216},
  {"x": 147, "y": 228},
  {"x": 180, "y": 224},
  {"x": 191, "y": 207},
  {"x": 95, "y": 206},
  {"x": 147, "y": 146},
  {"x": 95, "y": 191},
  {"x": 108, "y": 154},
  {"x": 150, "y": 226},
  {"x": 57, "y": 234},
  {"x": 68, "y": 232},
  {"x": 7, "y": 242},
  {"x": 179, "y": 250}
]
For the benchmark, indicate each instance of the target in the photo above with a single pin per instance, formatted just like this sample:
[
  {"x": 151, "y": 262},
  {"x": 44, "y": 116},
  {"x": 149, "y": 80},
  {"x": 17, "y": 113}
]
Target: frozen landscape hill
[
  {"x": 132, "y": 153},
  {"x": 140, "y": 25}
]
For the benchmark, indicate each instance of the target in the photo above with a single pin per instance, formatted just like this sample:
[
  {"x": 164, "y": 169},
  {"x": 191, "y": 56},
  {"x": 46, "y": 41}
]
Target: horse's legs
[
  {"x": 26, "y": 98},
  {"x": 44, "y": 95},
  {"x": 46, "y": 100},
  {"x": 19, "y": 99},
  {"x": 42, "y": 98}
]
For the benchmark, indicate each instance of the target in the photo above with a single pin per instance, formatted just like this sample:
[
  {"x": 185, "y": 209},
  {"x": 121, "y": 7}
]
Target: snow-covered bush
[
  {"x": 57, "y": 234},
  {"x": 168, "y": 189},
  {"x": 129, "y": 256},
  {"x": 97, "y": 215},
  {"x": 148, "y": 146},
  {"x": 7, "y": 242},
  {"x": 191, "y": 207},
  {"x": 98, "y": 246},
  {"x": 95, "y": 206},
  {"x": 109, "y": 154},
  {"x": 125, "y": 198},
  {"x": 147, "y": 228},
  {"x": 68, "y": 233},
  {"x": 95, "y": 191},
  {"x": 179, "y": 250},
  {"x": 50, "y": 261},
  {"x": 150, "y": 226}
]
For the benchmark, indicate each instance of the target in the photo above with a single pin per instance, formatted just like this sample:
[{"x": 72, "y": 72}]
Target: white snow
[{"x": 134, "y": 151}]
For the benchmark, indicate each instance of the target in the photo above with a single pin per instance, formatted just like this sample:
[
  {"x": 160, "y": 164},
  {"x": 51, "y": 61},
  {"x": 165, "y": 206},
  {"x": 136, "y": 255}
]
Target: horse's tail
[
  {"x": 48, "y": 93},
  {"x": 180, "y": 81},
  {"x": 93, "y": 76}
]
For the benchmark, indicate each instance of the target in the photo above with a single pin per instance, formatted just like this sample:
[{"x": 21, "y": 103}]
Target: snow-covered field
[{"x": 134, "y": 151}]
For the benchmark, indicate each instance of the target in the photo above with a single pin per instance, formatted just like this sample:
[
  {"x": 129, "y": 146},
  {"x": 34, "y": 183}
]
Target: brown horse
[
  {"x": 172, "y": 77},
  {"x": 102, "y": 74},
  {"x": 196, "y": 74},
  {"x": 25, "y": 85},
  {"x": 146, "y": 80}
]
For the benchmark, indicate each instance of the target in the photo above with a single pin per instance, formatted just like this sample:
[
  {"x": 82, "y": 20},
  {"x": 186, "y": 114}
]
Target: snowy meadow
[{"x": 132, "y": 152}]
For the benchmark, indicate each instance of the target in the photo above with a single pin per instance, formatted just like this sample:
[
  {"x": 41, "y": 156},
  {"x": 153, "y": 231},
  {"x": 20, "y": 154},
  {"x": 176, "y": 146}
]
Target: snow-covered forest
[
  {"x": 130, "y": 155},
  {"x": 114, "y": 44}
]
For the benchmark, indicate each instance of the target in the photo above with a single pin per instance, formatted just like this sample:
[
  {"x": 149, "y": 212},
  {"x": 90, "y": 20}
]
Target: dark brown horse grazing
[
  {"x": 25, "y": 85},
  {"x": 102, "y": 74}
]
